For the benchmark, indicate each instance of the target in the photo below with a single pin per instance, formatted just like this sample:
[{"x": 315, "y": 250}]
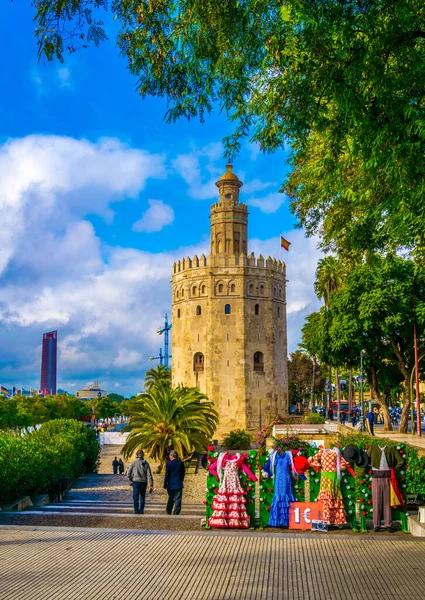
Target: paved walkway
[{"x": 65, "y": 564}]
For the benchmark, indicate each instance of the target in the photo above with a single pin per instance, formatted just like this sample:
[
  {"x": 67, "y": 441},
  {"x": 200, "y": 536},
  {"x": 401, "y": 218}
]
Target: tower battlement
[{"x": 241, "y": 260}]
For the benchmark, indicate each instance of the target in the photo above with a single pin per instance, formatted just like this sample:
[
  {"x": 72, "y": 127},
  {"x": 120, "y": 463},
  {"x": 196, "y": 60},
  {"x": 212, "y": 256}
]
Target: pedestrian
[
  {"x": 370, "y": 417},
  {"x": 173, "y": 483},
  {"x": 353, "y": 417},
  {"x": 140, "y": 476},
  {"x": 342, "y": 417},
  {"x": 331, "y": 414},
  {"x": 115, "y": 465},
  {"x": 120, "y": 466}
]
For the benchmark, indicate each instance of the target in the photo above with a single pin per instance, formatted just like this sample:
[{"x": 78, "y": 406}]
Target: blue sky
[{"x": 98, "y": 197}]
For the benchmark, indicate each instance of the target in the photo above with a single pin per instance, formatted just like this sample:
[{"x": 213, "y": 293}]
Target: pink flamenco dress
[{"x": 228, "y": 506}]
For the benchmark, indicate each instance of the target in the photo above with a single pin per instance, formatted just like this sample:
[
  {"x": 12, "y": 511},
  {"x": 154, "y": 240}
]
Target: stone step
[
  {"x": 113, "y": 508},
  {"x": 86, "y": 518}
]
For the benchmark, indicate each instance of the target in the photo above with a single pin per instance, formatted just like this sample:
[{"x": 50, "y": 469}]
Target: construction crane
[{"x": 163, "y": 357}]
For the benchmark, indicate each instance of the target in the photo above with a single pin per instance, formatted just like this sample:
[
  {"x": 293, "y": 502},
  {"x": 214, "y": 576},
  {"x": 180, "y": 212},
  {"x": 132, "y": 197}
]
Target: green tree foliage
[
  {"x": 35, "y": 462},
  {"x": 300, "y": 377},
  {"x": 342, "y": 81},
  {"x": 165, "y": 418},
  {"x": 157, "y": 374},
  {"x": 373, "y": 311},
  {"x": 27, "y": 411},
  {"x": 105, "y": 408},
  {"x": 238, "y": 439},
  {"x": 115, "y": 397}
]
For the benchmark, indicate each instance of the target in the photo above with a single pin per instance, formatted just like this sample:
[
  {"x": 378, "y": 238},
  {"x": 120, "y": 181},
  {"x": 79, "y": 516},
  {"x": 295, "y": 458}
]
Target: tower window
[
  {"x": 198, "y": 362},
  {"x": 227, "y": 337},
  {"x": 258, "y": 361},
  {"x": 233, "y": 287},
  {"x": 227, "y": 309},
  {"x": 278, "y": 311},
  {"x": 203, "y": 289},
  {"x": 182, "y": 292},
  {"x": 220, "y": 288},
  {"x": 198, "y": 310},
  {"x": 177, "y": 294},
  {"x": 257, "y": 309},
  {"x": 251, "y": 288},
  {"x": 262, "y": 290},
  {"x": 178, "y": 313},
  {"x": 194, "y": 290}
]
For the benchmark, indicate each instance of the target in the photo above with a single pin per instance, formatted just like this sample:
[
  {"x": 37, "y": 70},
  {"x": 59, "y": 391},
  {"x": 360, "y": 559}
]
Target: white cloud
[
  {"x": 155, "y": 218},
  {"x": 188, "y": 166},
  {"x": 52, "y": 179},
  {"x": 128, "y": 358},
  {"x": 269, "y": 204},
  {"x": 256, "y": 185},
  {"x": 106, "y": 302},
  {"x": 64, "y": 76}
]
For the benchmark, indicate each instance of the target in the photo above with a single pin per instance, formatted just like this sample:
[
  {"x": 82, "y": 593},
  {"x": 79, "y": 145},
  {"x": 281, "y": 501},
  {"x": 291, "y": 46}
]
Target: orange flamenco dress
[
  {"x": 331, "y": 463},
  {"x": 229, "y": 504}
]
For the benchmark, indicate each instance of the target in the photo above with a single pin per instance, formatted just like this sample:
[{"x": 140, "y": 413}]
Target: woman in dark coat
[{"x": 120, "y": 466}]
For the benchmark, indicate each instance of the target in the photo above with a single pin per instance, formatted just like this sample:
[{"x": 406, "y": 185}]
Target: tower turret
[{"x": 229, "y": 218}]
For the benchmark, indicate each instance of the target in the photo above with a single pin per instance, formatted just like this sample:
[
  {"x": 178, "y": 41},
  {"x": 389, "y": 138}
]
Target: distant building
[
  {"x": 49, "y": 356},
  {"x": 90, "y": 392}
]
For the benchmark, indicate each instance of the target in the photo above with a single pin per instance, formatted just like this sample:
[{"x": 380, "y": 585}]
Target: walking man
[
  {"x": 115, "y": 464},
  {"x": 173, "y": 483},
  {"x": 140, "y": 476}
]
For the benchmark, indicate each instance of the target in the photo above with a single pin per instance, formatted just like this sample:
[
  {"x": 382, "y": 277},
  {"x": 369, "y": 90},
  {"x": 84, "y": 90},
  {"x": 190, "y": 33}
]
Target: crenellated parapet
[{"x": 241, "y": 260}]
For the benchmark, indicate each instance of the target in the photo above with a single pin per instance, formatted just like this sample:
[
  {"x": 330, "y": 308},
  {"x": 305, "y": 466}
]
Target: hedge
[{"x": 35, "y": 463}]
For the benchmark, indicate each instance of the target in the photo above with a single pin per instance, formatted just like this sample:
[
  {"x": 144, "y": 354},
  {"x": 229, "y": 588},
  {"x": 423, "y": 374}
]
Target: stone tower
[{"x": 229, "y": 321}]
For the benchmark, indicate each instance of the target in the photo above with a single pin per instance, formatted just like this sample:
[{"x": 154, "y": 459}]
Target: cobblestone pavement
[
  {"x": 106, "y": 486},
  {"x": 62, "y": 564}
]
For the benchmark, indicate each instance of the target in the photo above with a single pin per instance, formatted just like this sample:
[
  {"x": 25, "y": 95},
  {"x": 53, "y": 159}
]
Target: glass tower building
[{"x": 49, "y": 355}]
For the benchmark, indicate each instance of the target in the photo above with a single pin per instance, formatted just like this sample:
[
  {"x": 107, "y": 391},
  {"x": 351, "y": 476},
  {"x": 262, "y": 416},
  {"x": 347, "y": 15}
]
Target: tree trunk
[
  {"x": 373, "y": 383},
  {"x": 338, "y": 393},
  {"x": 403, "y": 369},
  {"x": 350, "y": 391}
]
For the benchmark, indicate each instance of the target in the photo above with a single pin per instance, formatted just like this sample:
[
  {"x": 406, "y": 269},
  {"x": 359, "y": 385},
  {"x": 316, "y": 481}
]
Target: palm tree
[
  {"x": 328, "y": 278},
  {"x": 156, "y": 375},
  {"x": 165, "y": 418}
]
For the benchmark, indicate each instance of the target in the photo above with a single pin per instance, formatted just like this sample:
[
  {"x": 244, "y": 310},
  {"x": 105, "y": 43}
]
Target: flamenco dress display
[
  {"x": 228, "y": 506},
  {"x": 331, "y": 463},
  {"x": 280, "y": 466}
]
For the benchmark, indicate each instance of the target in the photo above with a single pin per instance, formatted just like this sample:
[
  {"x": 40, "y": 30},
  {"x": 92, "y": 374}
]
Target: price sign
[{"x": 301, "y": 514}]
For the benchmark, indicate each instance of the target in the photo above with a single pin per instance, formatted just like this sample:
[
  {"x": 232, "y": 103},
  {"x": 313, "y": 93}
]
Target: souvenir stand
[
  {"x": 354, "y": 481},
  {"x": 306, "y": 487}
]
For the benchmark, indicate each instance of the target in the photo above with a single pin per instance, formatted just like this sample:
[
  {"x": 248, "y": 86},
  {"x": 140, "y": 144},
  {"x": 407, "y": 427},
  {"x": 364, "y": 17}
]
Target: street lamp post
[
  {"x": 328, "y": 388},
  {"x": 362, "y": 380}
]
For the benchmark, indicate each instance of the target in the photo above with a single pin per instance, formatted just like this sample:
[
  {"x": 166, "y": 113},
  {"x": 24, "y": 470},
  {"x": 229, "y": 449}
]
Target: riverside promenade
[{"x": 65, "y": 564}]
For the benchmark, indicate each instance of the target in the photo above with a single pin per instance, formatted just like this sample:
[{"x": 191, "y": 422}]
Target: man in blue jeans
[
  {"x": 140, "y": 476},
  {"x": 173, "y": 483}
]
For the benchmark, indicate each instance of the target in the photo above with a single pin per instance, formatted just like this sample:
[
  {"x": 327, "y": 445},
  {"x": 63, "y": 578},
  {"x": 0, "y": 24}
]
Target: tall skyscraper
[{"x": 49, "y": 355}]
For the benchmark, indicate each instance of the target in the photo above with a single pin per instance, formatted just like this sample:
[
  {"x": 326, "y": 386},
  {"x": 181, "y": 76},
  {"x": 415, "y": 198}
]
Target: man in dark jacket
[{"x": 173, "y": 483}]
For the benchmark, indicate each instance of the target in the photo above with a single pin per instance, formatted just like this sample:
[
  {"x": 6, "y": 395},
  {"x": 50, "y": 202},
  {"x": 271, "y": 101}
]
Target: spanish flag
[{"x": 284, "y": 243}]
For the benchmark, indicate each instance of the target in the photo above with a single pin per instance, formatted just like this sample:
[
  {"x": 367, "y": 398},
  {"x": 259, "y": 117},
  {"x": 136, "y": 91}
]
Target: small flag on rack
[{"x": 284, "y": 243}]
